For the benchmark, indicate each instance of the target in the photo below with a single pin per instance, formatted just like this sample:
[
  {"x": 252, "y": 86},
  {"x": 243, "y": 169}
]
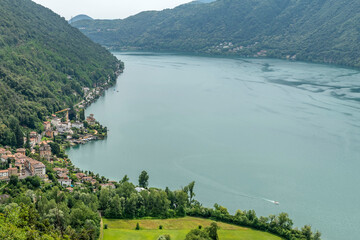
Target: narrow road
[{"x": 101, "y": 228}]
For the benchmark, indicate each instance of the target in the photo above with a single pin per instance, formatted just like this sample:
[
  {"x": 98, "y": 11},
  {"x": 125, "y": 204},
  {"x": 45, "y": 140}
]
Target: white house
[
  {"x": 65, "y": 182},
  {"x": 77, "y": 125},
  {"x": 55, "y": 121},
  {"x": 4, "y": 174}
]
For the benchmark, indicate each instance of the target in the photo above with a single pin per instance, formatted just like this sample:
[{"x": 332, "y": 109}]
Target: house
[
  {"x": 77, "y": 125},
  {"x": 65, "y": 182},
  {"x": 62, "y": 175},
  {"x": 63, "y": 127},
  {"x": 47, "y": 125},
  {"x": 13, "y": 171},
  {"x": 34, "y": 138},
  {"x": 21, "y": 151},
  {"x": 107, "y": 185},
  {"x": 140, "y": 189},
  {"x": 2, "y": 151},
  {"x": 33, "y": 135},
  {"x": 87, "y": 179},
  {"x": 45, "y": 151},
  {"x": 20, "y": 168},
  {"x": 55, "y": 121},
  {"x": 35, "y": 167},
  {"x": 49, "y": 133},
  {"x": 91, "y": 120},
  {"x": 5, "y": 158},
  {"x": 70, "y": 189},
  {"x": 60, "y": 171},
  {"x": 4, "y": 174},
  {"x": 80, "y": 175}
]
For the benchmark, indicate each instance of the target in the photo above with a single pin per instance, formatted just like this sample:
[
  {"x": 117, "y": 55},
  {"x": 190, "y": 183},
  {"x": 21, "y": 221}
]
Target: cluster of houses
[
  {"x": 64, "y": 180},
  {"x": 20, "y": 165},
  {"x": 23, "y": 166},
  {"x": 90, "y": 95},
  {"x": 56, "y": 126}
]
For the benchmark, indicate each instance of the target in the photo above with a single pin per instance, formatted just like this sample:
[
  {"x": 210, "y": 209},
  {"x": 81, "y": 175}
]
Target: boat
[{"x": 277, "y": 203}]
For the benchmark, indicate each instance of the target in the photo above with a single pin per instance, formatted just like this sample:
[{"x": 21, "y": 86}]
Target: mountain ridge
[{"x": 323, "y": 31}]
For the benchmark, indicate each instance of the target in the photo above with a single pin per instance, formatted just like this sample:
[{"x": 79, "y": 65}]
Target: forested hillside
[
  {"x": 311, "y": 30},
  {"x": 44, "y": 64}
]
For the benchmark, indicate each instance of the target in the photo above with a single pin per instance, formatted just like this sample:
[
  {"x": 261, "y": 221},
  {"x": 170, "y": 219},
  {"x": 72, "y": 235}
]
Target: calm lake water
[{"x": 248, "y": 131}]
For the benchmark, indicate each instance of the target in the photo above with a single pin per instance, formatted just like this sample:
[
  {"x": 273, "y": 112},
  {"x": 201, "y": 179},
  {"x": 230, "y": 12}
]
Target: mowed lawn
[{"x": 177, "y": 229}]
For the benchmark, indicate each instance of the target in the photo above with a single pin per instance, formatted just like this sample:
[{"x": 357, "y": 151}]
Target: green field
[{"x": 177, "y": 229}]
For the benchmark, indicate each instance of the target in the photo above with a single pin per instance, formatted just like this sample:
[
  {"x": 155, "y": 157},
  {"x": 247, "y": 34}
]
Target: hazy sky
[{"x": 106, "y": 9}]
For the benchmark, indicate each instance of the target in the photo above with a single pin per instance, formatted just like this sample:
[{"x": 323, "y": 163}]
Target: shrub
[
  {"x": 137, "y": 226},
  {"x": 164, "y": 237}
]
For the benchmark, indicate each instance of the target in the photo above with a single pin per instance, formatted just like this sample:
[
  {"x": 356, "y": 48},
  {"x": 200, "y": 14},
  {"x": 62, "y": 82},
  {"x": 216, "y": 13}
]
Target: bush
[
  {"x": 137, "y": 226},
  {"x": 105, "y": 226},
  {"x": 160, "y": 227},
  {"x": 164, "y": 237}
]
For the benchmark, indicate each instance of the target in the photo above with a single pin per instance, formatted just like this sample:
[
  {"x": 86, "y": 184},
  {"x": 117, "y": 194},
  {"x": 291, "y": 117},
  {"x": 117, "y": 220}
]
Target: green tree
[
  {"x": 14, "y": 180},
  {"x": 82, "y": 114},
  {"x": 124, "y": 179},
  {"x": 306, "y": 231},
  {"x": 144, "y": 179},
  {"x": 317, "y": 235},
  {"x": 212, "y": 231},
  {"x": 19, "y": 137},
  {"x": 114, "y": 210},
  {"x": 191, "y": 191},
  {"x": 55, "y": 148},
  {"x": 27, "y": 143},
  {"x": 197, "y": 234}
]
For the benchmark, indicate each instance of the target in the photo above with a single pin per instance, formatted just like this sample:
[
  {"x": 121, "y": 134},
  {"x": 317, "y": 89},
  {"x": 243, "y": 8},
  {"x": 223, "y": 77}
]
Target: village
[{"x": 44, "y": 158}]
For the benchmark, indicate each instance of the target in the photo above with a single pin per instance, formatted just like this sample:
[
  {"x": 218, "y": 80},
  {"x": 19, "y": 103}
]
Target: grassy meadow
[{"x": 176, "y": 228}]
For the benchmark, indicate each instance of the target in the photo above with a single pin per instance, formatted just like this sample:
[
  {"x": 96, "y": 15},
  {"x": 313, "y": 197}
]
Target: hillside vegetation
[
  {"x": 44, "y": 64},
  {"x": 312, "y": 30}
]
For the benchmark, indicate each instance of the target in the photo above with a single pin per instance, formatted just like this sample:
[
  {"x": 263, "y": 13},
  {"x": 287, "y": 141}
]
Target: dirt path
[{"x": 101, "y": 228}]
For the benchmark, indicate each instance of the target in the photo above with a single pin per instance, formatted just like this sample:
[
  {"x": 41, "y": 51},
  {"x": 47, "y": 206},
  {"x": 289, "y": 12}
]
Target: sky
[{"x": 106, "y": 9}]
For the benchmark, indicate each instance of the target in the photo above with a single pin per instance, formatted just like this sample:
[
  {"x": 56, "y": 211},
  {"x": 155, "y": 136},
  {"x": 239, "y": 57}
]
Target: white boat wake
[{"x": 208, "y": 181}]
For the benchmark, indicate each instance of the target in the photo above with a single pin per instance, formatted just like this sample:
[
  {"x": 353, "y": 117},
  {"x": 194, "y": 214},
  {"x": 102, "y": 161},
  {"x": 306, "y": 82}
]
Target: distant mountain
[
  {"x": 206, "y": 1},
  {"x": 312, "y": 30},
  {"x": 79, "y": 18},
  {"x": 203, "y": 1},
  {"x": 44, "y": 65}
]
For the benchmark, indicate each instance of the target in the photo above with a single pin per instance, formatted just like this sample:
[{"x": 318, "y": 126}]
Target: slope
[
  {"x": 44, "y": 64},
  {"x": 318, "y": 30}
]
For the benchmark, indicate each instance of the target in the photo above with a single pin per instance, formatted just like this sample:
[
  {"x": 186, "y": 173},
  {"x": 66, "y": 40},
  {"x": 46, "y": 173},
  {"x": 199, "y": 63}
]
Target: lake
[{"x": 247, "y": 131}]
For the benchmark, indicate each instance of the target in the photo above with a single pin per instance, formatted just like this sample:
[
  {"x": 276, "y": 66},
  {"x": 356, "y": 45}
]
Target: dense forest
[
  {"x": 44, "y": 65},
  {"x": 318, "y": 30}
]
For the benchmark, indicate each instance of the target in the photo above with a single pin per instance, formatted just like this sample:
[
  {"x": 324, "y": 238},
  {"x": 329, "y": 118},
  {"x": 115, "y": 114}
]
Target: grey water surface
[{"x": 247, "y": 131}]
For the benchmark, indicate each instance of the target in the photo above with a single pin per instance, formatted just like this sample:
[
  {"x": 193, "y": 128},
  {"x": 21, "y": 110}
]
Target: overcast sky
[{"x": 106, "y": 9}]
